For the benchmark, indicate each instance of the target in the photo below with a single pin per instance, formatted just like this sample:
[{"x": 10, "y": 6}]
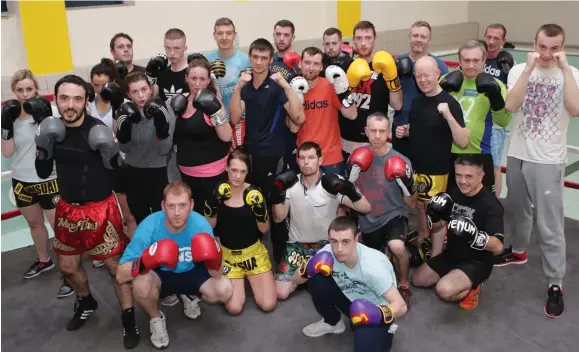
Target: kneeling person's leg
[
  {"x": 373, "y": 338},
  {"x": 147, "y": 290},
  {"x": 429, "y": 273},
  {"x": 459, "y": 282},
  {"x": 212, "y": 289}
]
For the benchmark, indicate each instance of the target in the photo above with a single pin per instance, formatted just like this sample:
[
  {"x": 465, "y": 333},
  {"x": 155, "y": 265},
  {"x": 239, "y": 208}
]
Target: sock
[{"x": 129, "y": 311}]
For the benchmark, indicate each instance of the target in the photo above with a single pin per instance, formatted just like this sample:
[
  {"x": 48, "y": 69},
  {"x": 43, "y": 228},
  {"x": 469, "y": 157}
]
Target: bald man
[{"x": 435, "y": 122}]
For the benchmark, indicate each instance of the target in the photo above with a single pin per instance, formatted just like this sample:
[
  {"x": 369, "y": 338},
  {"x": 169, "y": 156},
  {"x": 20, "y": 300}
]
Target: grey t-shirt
[{"x": 385, "y": 196}]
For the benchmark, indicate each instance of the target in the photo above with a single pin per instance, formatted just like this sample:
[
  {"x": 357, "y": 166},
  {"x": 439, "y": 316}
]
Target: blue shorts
[
  {"x": 498, "y": 145},
  {"x": 336, "y": 169},
  {"x": 187, "y": 283}
]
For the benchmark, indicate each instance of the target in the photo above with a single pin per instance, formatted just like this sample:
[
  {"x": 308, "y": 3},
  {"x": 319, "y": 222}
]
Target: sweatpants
[
  {"x": 540, "y": 185},
  {"x": 144, "y": 189},
  {"x": 330, "y": 302},
  {"x": 202, "y": 188}
]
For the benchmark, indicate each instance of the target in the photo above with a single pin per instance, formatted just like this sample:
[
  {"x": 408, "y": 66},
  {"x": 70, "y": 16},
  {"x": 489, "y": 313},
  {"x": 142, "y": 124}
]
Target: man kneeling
[
  {"x": 173, "y": 252},
  {"x": 471, "y": 217},
  {"x": 357, "y": 281}
]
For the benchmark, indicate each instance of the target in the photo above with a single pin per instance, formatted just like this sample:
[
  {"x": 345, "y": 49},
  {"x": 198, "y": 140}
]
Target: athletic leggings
[
  {"x": 202, "y": 188},
  {"x": 144, "y": 188}
]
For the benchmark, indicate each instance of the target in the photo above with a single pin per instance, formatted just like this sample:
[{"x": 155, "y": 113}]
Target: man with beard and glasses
[
  {"x": 87, "y": 219},
  {"x": 333, "y": 51}
]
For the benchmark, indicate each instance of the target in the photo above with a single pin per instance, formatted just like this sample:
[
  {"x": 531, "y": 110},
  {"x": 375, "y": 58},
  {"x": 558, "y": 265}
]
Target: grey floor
[{"x": 509, "y": 317}]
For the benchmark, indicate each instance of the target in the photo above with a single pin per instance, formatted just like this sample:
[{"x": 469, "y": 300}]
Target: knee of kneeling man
[{"x": 444, "y": 290}]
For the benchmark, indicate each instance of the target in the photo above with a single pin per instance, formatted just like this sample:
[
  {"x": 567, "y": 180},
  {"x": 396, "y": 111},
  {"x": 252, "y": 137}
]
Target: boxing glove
[
  {"x": 506, "y": 61},
  {"x": 359, "y": 71},
  {"x": 38, "y": 107},
  {"x": 452, "y": 82},
  {"x": 218, "y": 69},
  {"x": 337, "y": 77},
  {"x": 155, "y": 109},
  {"x": 253, "y": 197},
  {"x": 121, "y": 69},
  {"x": 101, "y": 139},
  {"x": 156, "y": 65},
  {"x": 292, "y": 60},
  {"x": 404, "y": 66},
  {"x": 321, "y": 263},
  {"x": 178, "y": 104},
  {"x": 163, "y": 252},
  {"x": 300, "y": 87},
  {"x": 364, "y": 312},
  {"x": 220, "y": 194},
  {"x": 204, "y": 249},
  {"x": 397, "y": 169},
  {"x": 10, "y": 112},
  {"x": 282, "y": 183},
  {"x": 334, "y": 184},
  {"x": 112, "y": 93},
  {"x": 463, "y": 230},
  {"x": 90, "y": 93},
  {"x": 439, "y": 208},
  {"x": 127, "y": 115},
  {"x": 208, "y": 103},
  {"x": 194, "y": 56},
  {"x": 384, "y": 63},
  {"x": 489, "y": 86},
  {"x": 359, "y": 161},
  {"x": 347, "y": 48},
  {"x": 50, "y": 130}
]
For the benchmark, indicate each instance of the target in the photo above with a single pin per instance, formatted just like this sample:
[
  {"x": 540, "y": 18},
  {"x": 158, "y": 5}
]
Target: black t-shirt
[
  {"x": 236, "y": 227},
  {"x": 486, "y": 211},
  {"x": 430, "y": 136},
  {"x": 370, "y": 96},
  {"x": 82, "y": 176},
  {"x": 493, "y": 68},
  {"x": 171, "y": 83},
  {"x": 137, "y": 68},
  {"x": 343, "y": 61}
]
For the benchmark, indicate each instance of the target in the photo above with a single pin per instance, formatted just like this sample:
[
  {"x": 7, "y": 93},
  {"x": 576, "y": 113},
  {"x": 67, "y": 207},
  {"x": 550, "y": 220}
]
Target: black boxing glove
[
  {"x": 194, "y": 56},
  {"x": 10, "y": 112},
  {"x": 218, "y": 69},
  {"x": 282, "y": 183},
  {"x": 404, "y": 66},
  {"x": 506, "y": 61},
  {"x": 126, "y": 115},
  {"x": 178, "y": 104},
  {"x": 156, "y": 65},
  {"x": 121, "y": 69},
  {"x": 463, "y": 230},
  {"x": 155, "y": 109},
  {"x": 490, "y": 87},
  {"x": 439, "y": 208},
  {"x": 452, "y": 82},
  {"x": 334, "y": 184},
  {"x": 39, "y": 107},
  {"x": 112, "y": 93},
  {"x": 208, "y": 103}
]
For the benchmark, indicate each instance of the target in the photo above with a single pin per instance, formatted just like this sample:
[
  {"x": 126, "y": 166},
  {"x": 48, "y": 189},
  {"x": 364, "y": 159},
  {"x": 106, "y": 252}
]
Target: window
[
  {"x": 4, "y": 6},
  {"x": 73, "y": 4}
]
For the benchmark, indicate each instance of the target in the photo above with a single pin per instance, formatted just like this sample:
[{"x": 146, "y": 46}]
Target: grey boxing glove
[
  {"x": 50, "y": 130},
  {"x": 101, "y": 139}
]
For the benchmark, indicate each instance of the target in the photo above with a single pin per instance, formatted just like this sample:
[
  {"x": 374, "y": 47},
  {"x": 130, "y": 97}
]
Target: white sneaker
[
  {"x": 97, "y": 263},
  {"x": 191, "y": 306},
  {"x": 169, "y": 301},
  {"x": 321, "y": 328},
  {"x": 159, "y": 336}
]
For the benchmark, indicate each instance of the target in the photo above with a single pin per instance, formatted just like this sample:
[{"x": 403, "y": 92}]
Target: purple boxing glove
[
  {"x": 321, "y": 263},
  {"x": 364, "y": 312}
]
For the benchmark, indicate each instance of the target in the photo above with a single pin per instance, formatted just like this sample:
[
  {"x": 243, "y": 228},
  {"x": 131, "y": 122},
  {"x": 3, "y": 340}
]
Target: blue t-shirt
[
  {"x": 233, "y": 65},
  {"x": 370, "y": 279},
  {"x": 153, "y": 229},
  {"x": 410, "y": 90}
]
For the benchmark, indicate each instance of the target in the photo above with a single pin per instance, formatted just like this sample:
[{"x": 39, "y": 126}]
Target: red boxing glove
[
  {"x": 348, "y": 49},
  {"x": 205, "y": 249},
  {"x": 163, "y": 252},
  {"x": 291, "y": 60},
  {"x": 359, "y": 161},
  {"x": 397, "y": 169}
]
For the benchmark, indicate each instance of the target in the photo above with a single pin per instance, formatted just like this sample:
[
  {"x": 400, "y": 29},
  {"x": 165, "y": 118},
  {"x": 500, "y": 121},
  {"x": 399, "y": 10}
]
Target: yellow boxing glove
[
  {"x": 359, "y": 71},
  {"x": 384, "y": 63}
]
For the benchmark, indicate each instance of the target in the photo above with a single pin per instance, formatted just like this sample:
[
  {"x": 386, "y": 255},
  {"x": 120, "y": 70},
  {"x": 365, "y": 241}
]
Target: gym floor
[{"x": 509, "y": 316}]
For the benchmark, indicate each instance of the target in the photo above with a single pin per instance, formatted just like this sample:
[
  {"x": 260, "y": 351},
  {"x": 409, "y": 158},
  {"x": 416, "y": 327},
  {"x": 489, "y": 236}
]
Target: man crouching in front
[{"x": 173, "y": 252}]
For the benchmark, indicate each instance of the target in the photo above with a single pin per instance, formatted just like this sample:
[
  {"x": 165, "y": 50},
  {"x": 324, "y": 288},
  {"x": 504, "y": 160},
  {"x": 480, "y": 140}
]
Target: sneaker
[
  {"x": 510, "y": 257},
  {"x": 65, "y": 290},
  {"x": 406, "y": 294},
  {"x": 38, "y": 268},
  {"x": 555, "y": 305},
  {"x": 191, "y": 306},
  {"x": 169, "y": 301},
  {"x": 471, "y": 299},
  {"x": 159, "y": 336},
  {"x": 131, "y": 336},
  {"x": 97, "y": 263},
  {"x": 83, "y": 308},
  {"x": 321, "y": 328}
]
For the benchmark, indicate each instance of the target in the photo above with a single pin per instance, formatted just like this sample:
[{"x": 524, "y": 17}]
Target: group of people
[{"x": 171, "y": 175}]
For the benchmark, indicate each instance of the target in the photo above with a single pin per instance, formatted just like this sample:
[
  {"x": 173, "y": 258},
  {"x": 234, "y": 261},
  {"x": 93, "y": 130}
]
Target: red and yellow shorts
[{"x": 95, "y": 228}]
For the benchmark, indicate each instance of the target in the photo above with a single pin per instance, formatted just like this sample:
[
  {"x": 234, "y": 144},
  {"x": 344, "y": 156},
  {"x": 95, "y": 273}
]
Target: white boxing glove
[
  {"x": 337, "y": 77},
  {"x": 300, "y": 87}
]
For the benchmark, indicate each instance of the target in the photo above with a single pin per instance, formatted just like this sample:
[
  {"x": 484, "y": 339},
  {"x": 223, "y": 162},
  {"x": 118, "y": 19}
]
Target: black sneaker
[
  {"x": 83, "y": 308},
  {"x": 38, "y": 268},
  {"x": 555, "y": 305},
  {"x": 65, "y": 290},
  {"x": 131, "y": 336}
]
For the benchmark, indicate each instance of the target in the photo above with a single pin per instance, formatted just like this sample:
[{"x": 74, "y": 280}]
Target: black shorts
[
  {"x": 477, "y": 271},
  {"x": 488, "y": 168},
  {"x": 395, "y": 229},
  {"x": 264, "y": 170},
  {"x": 44, "y": 194},
  {"x": 187, "y": 283}
]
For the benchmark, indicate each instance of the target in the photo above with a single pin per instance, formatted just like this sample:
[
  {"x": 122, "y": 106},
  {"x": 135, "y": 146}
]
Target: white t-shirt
[
  {"x": 106, "y": 118},
  {"x": 311, "y": 212},
  {"x": 540, "y": 126}
]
